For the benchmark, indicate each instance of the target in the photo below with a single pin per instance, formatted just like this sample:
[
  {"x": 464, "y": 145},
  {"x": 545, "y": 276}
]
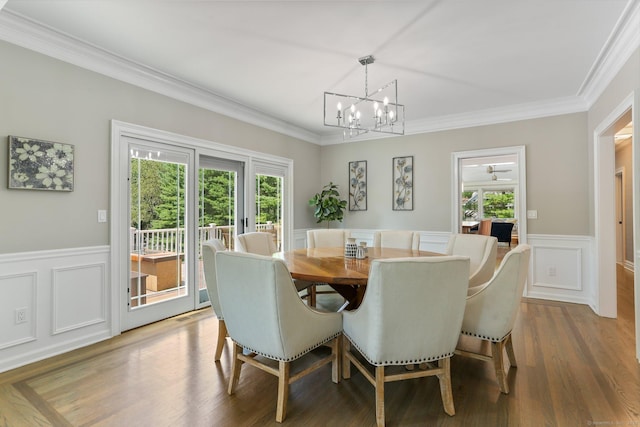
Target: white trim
[
  {"x": 604, "y": 248},
  {"x": 623, "y": 41},
  {"x": 24, "y": 32},
  {"x": 604, "y": 199}
]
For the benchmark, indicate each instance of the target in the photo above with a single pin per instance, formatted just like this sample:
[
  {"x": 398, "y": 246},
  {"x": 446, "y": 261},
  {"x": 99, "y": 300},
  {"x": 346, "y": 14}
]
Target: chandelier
[{"x": 377, "y": 111}]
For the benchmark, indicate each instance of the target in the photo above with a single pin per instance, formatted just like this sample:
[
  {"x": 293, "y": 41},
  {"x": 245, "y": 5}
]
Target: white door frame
[
  {"x": 521, "y": 191},
  {"x": 604, "y": 199}
]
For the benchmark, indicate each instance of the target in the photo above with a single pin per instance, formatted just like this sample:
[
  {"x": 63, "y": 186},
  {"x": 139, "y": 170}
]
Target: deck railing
[{"x": 172, "y": 239}]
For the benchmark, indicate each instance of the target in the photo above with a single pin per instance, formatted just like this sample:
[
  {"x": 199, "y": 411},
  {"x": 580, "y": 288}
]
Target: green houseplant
[{"x": 327, "y": 204}]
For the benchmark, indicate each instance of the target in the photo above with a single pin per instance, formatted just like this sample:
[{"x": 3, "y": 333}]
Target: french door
[
  {"x": 169, "y": 193},
  {"x": 160, "y": 193}
]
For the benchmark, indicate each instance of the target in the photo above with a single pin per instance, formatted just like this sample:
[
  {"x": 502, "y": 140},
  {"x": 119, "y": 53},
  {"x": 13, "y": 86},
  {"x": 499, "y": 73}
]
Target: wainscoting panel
[
  {"x": 64, "y": 294},
  {"x": 84, "y": 284},
  {"x": 561, "y": 268},
  {"x": 18, "y": 293}
]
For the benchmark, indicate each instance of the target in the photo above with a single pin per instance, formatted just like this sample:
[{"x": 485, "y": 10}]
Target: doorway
[
  {"x": 490, "y": 183},
  {"x": 605, "y": 210},
  {"x": 205, "y": 190}
]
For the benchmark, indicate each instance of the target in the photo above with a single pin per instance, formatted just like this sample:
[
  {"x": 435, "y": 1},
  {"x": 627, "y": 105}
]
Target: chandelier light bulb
[
  {"x": 353, "y": 108},
  {"x": 391, "y": 115},
  {"x": 358, "y": 114},
  {"x": 339, "y": 106},
  {"x": 375, "y": 107},
  {"x": 385, "y": 101}
]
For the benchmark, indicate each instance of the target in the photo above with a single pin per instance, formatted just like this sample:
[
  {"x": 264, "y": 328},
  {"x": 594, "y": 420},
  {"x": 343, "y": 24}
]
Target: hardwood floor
[{"x": 574, "y": 369}]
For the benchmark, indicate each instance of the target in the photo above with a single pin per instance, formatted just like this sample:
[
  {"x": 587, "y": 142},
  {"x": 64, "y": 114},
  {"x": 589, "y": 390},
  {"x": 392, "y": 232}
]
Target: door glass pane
[
  {"x": 217, "y": 207},
  {"x": 269, "y": 198},
  {"x": 157, "y": 237}
]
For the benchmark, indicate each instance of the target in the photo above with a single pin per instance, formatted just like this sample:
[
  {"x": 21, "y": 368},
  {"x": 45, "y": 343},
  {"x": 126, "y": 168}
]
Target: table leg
[{"x": 353, "y": 294}]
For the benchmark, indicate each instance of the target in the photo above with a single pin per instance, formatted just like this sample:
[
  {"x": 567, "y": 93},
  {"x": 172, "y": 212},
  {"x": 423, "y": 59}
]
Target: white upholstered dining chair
[
  {"x": 492, "y": 308},
  {"x": 273, "y": 323},
  {"x": 261, "y": 243},
  {"x": 326, "y": 238},
  {"x": 411, "y": 313},
  {"x": 401, "y": 239},
  {"x": 482, "y": 252},
  {"x": 323, "y": 238},
  {"x": 209, "y": 249}
]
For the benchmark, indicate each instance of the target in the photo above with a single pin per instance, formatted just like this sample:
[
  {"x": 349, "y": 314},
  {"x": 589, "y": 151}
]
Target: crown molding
[
  {"x": 21, "y": 31},
  {"x": 621, "y": 44}
]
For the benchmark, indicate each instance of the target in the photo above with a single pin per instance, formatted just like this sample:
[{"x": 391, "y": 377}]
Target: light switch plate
[
  {"x": 102, "y": 216},
  {"x": 532, "y": 214}
]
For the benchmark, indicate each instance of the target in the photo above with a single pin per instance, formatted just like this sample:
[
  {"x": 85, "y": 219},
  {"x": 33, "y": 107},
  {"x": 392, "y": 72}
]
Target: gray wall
[
  {"x": 47, "y": 99},
  {"x": 557, "y": 171}
]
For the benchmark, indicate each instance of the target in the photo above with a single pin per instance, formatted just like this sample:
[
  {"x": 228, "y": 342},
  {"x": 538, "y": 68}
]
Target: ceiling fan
[{"x": 491, "y": 170}]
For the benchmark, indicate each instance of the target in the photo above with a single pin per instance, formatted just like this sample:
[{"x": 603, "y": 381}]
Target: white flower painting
[{"x": 40, "y": 165}]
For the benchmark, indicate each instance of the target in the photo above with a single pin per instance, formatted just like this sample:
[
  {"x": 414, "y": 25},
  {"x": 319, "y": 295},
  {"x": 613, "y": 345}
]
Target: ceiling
[
  {"x": 504, "y": 170},
  {"x": 457, "y": 62}
]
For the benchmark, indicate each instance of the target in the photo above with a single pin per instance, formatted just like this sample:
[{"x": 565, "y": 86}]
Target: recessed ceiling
[{"x": 451, "y": 58}]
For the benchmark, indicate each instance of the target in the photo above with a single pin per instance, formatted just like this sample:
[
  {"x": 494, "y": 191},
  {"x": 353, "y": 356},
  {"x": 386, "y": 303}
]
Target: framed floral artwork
[
  {"x": 40, "y": 165},
  {"x": 358, "y": 185},
  {"x": 403, "y": 183}
]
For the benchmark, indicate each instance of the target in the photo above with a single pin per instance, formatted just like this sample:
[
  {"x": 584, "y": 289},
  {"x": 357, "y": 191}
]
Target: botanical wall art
[
  {"x": 40, "y": 165},
  {"x": 358, "y": 185},
  {"x": 403, "y": 183}
]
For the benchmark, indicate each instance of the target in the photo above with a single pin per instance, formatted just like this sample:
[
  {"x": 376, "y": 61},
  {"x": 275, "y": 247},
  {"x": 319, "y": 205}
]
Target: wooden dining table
[{"x": 348, "y": 276}]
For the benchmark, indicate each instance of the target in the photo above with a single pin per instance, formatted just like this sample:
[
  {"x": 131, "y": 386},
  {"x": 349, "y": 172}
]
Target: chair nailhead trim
[
  {"x": 399, "y": 362},
  {"x": 302, "y": 353},
  {"x": 472, "y": 334}
]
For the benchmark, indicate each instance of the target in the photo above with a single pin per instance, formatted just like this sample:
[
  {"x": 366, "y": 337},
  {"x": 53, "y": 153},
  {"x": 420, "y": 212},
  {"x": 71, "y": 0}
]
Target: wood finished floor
[{"x": 574, "y": 369}]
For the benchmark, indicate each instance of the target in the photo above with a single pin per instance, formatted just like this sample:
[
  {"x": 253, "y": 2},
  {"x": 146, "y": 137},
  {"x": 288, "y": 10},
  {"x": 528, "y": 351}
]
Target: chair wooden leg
[
  {"x": 311, "y": 295},
  {"x": 336, "y": 344},
  {"x": 445, "y": 386},
  {"x": 510, "y": 354},
  {"x": 283, "y": 390},
  {"x": 380, "y": 396},
  {"x": 236, "y": 365},
  {"x": 497, "y": 350},
  {"x": 346, "y": 363},
  {"x": 222, "y": 336}
]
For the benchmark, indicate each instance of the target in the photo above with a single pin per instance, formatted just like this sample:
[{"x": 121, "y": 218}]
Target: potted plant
[{"x": 327, "y": 204}]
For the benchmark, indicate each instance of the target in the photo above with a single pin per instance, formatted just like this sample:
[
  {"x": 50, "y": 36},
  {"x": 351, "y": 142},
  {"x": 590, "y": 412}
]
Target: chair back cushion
[
  {"x": 412, "y": 310},
  {"x": 209, "y": 249},
  {"x": 502, "y": 231},
  {"x": 262, "y": 310},
  {"x": 258, "y": 243},
  {"x": 491, "y": 312},
  {"x": 327, "y": 238},
  {"x": 400, "y": 239},
  {"x": 482, "y": 252}
]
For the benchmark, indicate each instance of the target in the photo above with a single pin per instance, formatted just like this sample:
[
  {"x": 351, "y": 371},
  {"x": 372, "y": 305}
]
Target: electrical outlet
[
  {"x": 552, "y": 271},
  {"x": 21, "y": 315}
]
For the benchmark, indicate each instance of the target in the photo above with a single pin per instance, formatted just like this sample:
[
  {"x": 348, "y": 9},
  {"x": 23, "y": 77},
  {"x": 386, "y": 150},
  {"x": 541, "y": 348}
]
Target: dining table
[{"x": 347, "y": 276}]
